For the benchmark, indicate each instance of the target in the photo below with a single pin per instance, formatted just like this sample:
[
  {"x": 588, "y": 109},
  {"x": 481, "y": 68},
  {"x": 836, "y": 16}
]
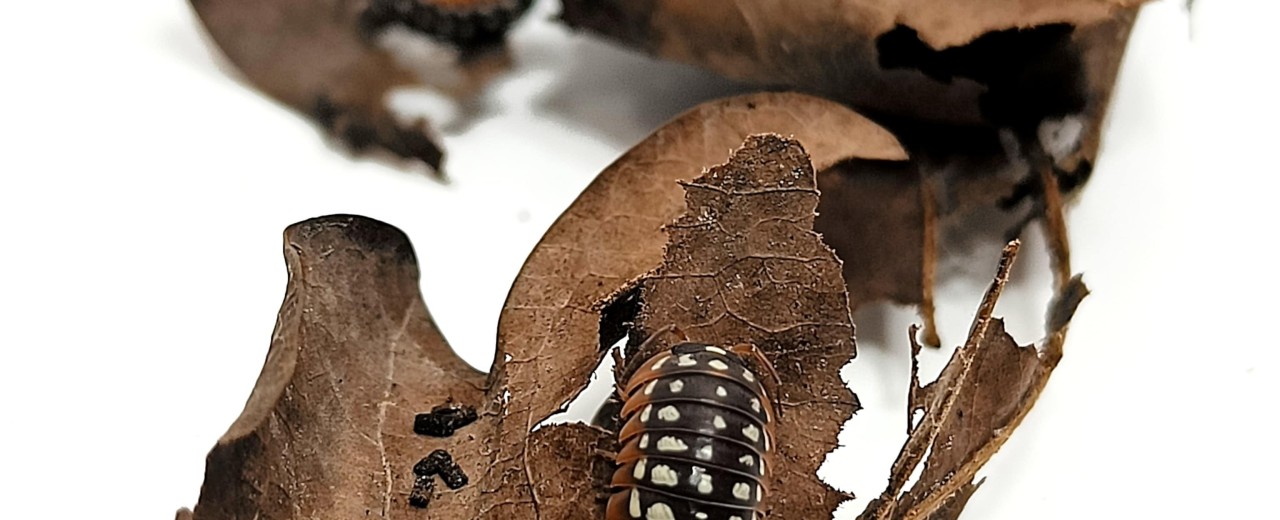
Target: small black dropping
[
  {"x": 443, "y": 420},
  {"x": 453, "y": 477},
  {"x": 433, "y": 464},
  {"x": 420, "y": 496},
  {"x": 440, "y": 463}
]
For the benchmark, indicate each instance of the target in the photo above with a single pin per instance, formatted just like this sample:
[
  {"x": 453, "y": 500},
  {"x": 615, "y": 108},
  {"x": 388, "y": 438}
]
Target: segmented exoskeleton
[{"x": 697, "y": 426}]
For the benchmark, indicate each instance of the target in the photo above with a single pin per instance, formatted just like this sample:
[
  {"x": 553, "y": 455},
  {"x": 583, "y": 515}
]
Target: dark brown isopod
[{"x": 695, "y": 435}]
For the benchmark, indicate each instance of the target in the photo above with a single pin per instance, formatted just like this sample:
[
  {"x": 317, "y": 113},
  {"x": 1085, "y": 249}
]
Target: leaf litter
[{"x": 729, "y": 253}]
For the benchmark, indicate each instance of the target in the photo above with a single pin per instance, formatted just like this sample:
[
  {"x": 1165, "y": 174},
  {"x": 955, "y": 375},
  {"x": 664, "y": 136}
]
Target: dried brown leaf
[
  {"x": 944, "y": 77},
  {"x": 743, "y": 265},
  {"x": 328, "y": 431},
  {"x": 312, "y": 57},
  {"x": 831, "y": 48},
  {"x": 983, "y": 393},
  {"x": 612, "y": 234}
]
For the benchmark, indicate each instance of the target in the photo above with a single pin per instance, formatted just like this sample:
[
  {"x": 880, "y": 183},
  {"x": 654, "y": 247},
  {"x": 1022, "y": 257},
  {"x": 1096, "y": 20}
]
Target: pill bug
[
  {"x": 697, "y": 426},
  {"x": 463, "y": 23}
]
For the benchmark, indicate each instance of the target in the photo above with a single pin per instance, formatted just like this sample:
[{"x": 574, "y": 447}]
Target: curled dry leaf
[
  {"x": 328, "y": 430},
  {"x": 744, "y": 265},
  {"x": 315, "y": 58},
  {"x": 946, "y": 78},
  {"x": 980, "y": 398}
]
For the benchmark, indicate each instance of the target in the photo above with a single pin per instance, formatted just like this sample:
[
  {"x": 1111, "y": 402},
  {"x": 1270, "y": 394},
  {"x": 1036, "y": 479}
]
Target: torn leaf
[
  {"x": 981, "y": 396},
  {"x": 969, "y": 87},
  {"x": 743, "y": 265}
]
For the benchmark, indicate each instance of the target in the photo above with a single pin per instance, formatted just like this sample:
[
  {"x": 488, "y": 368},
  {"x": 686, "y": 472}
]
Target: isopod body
[{"x": 696, "y": 430}]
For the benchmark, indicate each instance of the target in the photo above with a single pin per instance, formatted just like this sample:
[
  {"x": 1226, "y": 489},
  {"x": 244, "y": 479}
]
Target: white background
[{"x": 144, "y": 189}]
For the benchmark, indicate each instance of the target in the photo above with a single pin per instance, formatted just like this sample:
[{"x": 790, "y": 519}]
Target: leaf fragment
[
  {"x": 313, "y": 58},
  {"x": 327, "y": 431},
  {"x": 743, "y": 265},
  {"x": 982, "y": 394}
]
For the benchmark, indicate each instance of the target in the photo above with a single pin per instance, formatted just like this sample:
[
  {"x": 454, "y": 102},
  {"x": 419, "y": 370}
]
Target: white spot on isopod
[
  {"x": 751, "y": 432},
  {"x": 648, "y": 389},
  {"x": 676, "y": 386},
  {"x": 663, "y": 475},
  {"x": 718, "y": 365},
  {"x": 644, "y": 441},
  {"x": 639, "y": 471},
  {"x": 661, "y": 361},
  {"x": 669, "y": 414},
  {"x": 704, "y": 484},
  {"x": 635, "y": 503},
  {"x": 755, "y": 404},
  {"x": 720, "y": 391},
  {"x": 747, "y": 460},
  {"x": 746, "y": 374},
  {"x": 717, "y": 350},
  {"x": 686, "y": 360},
  {"x": 700, "y": 515},
  {"x": 671, "y": 444},
  {"x": 644, "y": 414},
  {"x": 742, "y": 491},
  {"x": 719, "y": 423},
  {"x": 660, "y": 511},
  {"x": 704, "y": 453}
]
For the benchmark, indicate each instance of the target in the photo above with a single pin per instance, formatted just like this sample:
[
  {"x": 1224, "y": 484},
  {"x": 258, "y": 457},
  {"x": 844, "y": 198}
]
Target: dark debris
[
  {"x": 423, "y": 487},
  {"x": 440, "y": 463},
  {"x": 465, "y": 28},
  {"x": 443, "y": 420}
]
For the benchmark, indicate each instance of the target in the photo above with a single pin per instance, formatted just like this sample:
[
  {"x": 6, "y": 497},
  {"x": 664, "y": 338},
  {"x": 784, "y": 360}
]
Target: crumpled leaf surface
[
  {"x": 744, "y": 266},
  {"x": 935, "y": 74},
  {"x": 311, "y": 56},
  {"x": 829, "y": 47},
  {"x": 328, "y": 429}
]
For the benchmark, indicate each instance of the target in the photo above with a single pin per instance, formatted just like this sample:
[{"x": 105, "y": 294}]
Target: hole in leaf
[
  {"x": 619, "y": 316},
  {"x": 587, "y": 406}
]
